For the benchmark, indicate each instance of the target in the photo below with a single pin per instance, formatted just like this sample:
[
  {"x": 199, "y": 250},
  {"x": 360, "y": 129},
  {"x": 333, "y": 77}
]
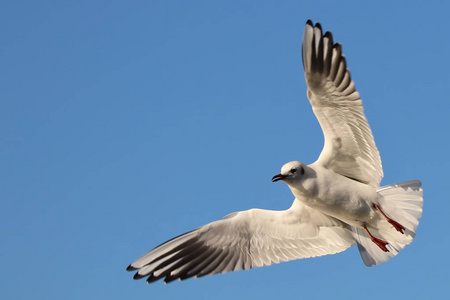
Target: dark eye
[{"x": 293, "y": 170}]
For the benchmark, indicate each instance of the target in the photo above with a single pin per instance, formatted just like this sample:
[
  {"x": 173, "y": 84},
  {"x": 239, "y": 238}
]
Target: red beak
[{"x": 278, "y": 177}]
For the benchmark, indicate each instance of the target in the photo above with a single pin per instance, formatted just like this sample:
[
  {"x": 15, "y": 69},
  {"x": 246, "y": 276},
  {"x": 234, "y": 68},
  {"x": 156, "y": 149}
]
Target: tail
[{"x": 402, "y": 202}]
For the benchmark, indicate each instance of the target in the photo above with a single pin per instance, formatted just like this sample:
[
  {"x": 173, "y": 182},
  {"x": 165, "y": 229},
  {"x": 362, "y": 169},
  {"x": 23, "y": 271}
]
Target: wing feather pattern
[
  {"x": 244, "y": 240},
  {"x": 349, "y": 147}
]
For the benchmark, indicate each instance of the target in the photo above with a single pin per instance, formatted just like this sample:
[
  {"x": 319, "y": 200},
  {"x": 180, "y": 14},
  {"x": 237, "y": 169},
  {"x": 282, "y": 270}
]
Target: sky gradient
[{"x": 126, "y": 123}]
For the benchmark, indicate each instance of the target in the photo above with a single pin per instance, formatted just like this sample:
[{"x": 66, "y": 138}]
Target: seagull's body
[
  {"x": 338, "y": 201},
  {"x": 334, "y": 195}
]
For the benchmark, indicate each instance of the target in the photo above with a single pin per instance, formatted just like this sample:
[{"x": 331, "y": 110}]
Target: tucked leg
[
  {"x": 399, "y": 227},
  {"x": 380, "y": 243}
]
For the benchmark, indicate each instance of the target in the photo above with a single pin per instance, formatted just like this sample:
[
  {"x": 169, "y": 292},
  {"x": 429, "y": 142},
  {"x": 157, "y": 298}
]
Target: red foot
[
  {"x": 380, "y": 243},
  {"x": 397, "y": 226}
]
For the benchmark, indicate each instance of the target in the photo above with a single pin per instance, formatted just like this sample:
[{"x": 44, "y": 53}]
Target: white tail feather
[{"x": 401, "y": 202}]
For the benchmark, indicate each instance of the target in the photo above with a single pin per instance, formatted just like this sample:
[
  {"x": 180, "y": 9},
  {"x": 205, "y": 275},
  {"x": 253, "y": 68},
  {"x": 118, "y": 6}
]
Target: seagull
[{"x": 338, "y": 199}]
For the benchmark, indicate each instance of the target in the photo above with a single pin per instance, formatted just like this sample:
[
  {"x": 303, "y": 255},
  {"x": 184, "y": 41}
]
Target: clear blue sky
[{"x": 125, "y": 123}]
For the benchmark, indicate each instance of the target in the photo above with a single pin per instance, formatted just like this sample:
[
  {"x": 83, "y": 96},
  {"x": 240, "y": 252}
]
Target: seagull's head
[{"x": 290, "y": 172}]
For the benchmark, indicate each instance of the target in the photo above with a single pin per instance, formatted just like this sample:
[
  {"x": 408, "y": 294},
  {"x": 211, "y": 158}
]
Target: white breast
[{"x": 335, "y": 195}]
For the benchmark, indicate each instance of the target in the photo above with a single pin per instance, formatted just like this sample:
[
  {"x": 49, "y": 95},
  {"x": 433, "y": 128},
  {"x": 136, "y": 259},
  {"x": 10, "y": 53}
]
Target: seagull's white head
[{"x": 290, "y": 172}]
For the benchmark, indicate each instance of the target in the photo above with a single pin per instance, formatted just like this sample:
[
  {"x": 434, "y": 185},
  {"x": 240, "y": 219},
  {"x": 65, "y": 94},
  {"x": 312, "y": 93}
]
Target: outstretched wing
[
  {"x": 243, "y": 240},
  {"x": 349, "y": 147}
]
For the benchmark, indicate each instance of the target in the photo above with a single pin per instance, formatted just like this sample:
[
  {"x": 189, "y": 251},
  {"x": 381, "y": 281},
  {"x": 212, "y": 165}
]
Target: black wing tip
[
  {"x": 318, "y": 26},
  {"x": 329, "y": 35},
  {"x": 169, "y": 279},
  {"x": 131, "y": 268},
  {"x": 338, "y": 47},
  {"x": 139, "y": 276},
  {"x": 153, "y": 278},
  {"x": 311, "y": 23}
]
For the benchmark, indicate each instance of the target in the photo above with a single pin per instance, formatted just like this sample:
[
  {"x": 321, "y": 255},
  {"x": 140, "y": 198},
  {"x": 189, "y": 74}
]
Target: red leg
[
  {"x": 396, "y": 225},
  {"x": 380, "y": 243}
]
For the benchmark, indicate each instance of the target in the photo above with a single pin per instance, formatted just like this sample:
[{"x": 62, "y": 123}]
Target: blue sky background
[{"x": 125, "y": 123}]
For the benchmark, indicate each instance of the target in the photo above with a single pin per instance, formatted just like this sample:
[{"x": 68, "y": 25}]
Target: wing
[
  {"x": 243, "y": 240},
  {"x": 349, "y": 147}
]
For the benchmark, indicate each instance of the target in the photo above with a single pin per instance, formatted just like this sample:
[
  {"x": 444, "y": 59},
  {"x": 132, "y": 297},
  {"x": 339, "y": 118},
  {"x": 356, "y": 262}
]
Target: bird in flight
[{"x": 338, "y": 199}]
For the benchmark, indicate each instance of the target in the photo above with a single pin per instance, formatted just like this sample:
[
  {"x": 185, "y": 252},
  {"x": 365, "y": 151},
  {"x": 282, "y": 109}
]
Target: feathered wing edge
[
  {"x": 349, "y": 147},
  {"x": 244, "y": 240}
]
